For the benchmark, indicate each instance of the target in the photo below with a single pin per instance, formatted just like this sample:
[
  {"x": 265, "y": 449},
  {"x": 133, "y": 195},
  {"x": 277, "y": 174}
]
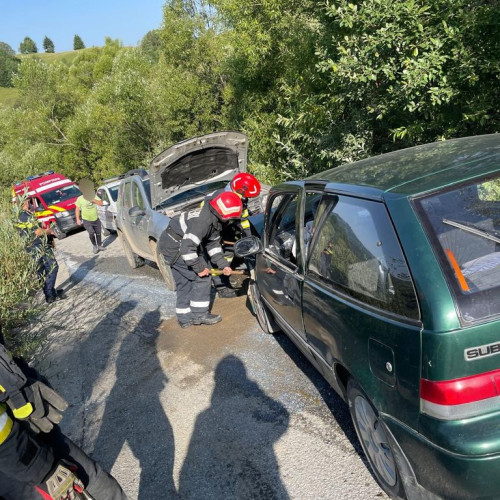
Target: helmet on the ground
[
  {"x": 245, "y": 185},
  {"x": 227, "y": 205}
]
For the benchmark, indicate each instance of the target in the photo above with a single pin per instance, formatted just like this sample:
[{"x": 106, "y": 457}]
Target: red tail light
[{"x": 461, "y": 398}]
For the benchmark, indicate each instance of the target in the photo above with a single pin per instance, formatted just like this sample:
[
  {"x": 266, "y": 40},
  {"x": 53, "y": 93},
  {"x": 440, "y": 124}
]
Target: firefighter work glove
[
  {"x": 42, "y": 406},
  {"x": 63, "y": 484}
]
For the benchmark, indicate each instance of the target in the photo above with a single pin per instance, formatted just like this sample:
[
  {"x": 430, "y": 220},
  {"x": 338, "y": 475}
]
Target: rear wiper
[{"x": 478, "y": 231}]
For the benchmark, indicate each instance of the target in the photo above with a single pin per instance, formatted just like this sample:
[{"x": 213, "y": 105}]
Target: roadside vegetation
[
  {"x": 18, "y": 284},
  {"x": 314, "y": 84}
]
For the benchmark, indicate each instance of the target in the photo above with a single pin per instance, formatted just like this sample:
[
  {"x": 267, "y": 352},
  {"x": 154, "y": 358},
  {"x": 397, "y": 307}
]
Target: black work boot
[{"x": 207, "y": 319}]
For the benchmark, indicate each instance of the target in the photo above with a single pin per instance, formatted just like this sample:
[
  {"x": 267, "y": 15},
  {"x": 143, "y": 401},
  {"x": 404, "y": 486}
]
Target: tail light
[{"x": 462, "y": 397}]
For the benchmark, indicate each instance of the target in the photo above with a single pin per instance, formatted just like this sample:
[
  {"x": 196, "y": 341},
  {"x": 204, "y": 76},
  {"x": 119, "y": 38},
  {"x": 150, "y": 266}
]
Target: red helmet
[
  {"x": 245, "y": 185},
  {"x": 227, "y": 205}
]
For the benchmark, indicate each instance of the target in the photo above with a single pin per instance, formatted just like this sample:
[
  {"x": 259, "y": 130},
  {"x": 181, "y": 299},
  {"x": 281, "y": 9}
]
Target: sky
[{"x": 92, "y": 20}]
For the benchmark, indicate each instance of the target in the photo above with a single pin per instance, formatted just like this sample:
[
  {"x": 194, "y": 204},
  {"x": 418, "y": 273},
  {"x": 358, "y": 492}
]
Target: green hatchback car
[{"x": 386, "y": 274}]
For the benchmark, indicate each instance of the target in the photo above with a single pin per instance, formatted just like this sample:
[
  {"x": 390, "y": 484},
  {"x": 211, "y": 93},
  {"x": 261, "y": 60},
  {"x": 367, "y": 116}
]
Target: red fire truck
[{"x": 52, "y": 197}]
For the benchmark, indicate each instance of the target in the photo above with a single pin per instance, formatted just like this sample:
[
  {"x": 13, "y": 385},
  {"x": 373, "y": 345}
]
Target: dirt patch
[{"x": 198, "y": 343}]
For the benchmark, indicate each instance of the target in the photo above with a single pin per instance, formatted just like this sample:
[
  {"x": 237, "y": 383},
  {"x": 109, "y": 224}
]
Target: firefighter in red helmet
[
  {"x": 246, "y": 186},
  {"x": 189, "y": 238}
]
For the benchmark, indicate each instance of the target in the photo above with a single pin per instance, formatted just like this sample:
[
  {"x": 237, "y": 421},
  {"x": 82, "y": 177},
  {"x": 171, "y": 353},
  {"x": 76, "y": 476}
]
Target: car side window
[
  {"x": 358, "y": 254},
  {"x": 311, "y": 216},
  {"x": 126, "y": 200},
  {"x": 281, "y": 238},
  {"x": 137, "y": 200},
  {"x": 103, "y": 194}
]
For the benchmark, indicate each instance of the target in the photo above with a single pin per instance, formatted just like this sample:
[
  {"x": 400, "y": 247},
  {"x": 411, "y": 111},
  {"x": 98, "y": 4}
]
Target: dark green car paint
[{"x": 387, "y": 354}]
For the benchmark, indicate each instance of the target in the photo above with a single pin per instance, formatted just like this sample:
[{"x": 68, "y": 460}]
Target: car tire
[
  {"x": 166, "y": 272},
  {"x": 132, "y": 258},
  {"x": 266, "y": 323},
  {"x": 375, "y": 441},
  {"x": 60, "y": 235}
]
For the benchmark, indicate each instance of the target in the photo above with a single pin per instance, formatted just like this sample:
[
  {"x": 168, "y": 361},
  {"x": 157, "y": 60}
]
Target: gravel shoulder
[{"x": 207, "y": 412}]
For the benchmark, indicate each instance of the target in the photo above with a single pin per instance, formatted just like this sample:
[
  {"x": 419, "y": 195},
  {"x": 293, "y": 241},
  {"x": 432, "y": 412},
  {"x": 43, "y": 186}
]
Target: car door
[
  {"x": 277, "y": 267},
  {"x": 360, "y": 306},
  {"x": 103, "y": 211},
  {"x": 139, "y": 222}
]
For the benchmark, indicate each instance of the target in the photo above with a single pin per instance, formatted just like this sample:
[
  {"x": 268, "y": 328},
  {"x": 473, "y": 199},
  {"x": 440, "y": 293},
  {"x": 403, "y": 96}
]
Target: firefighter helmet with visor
[{"x": 227, "y": 206}]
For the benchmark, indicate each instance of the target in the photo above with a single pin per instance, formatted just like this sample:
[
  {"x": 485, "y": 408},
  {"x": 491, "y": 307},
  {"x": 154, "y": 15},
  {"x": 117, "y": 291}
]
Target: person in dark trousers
[
  {"x": 86, "y": 214},
  {"x": 38, "y": 246},
  {"x": 188, "y": 238},
  {"x": 246, "y": 186},
  {"x": 36, "y": 460}
]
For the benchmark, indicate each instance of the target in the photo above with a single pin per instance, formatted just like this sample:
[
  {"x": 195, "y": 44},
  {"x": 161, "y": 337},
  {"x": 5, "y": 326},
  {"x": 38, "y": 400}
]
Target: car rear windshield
[
  {"x": 61, "y": 194},
  {"x": 464, "y": 227}
]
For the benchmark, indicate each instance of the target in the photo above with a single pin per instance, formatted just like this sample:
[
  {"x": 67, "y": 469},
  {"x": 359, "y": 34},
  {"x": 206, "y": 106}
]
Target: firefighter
[
  {"x": 246, "y": 186},
  {"x": 36, "y": 460},
  {"x": 38, "y": 245},
  {"x": 188, "y": 238}
]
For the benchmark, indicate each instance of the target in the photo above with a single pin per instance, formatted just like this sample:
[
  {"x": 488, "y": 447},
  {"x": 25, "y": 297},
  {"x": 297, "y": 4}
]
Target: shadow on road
[
  {"x": 134, "y": 415},
  {"x": 337, "y": 406},
  {"x": 78, "y": 274},
  {"x": 231, "y": 450}
]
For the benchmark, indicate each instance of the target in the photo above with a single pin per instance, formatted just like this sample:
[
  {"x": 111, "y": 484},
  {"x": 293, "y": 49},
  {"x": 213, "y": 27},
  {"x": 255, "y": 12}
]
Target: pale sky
[{"x": 92, "y": 20}]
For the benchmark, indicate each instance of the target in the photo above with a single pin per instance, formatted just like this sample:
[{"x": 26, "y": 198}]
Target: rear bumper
[{"x": 432, "y": 472}]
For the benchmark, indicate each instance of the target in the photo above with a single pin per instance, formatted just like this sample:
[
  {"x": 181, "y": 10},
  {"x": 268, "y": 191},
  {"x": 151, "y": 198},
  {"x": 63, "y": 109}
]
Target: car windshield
[
  {"x": 464, "y": 226},
  {"x": 61, "y": 194},
  {"x": 113, "y": 191},
  {"x": 200, "y": 191}
]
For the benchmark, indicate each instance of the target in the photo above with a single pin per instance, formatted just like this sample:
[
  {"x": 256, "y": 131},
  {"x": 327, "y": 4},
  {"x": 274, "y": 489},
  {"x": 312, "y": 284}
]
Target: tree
[
  {"x": 48, "y": 45},
  {"x": 78, "y": 43},
  {"x": 5, "y": 47},
  {"x": 28, "y": 46}
]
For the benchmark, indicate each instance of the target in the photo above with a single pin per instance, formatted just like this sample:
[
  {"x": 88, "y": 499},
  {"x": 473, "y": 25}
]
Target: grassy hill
[
  {"x": 64, "y": 57},
  {"x": 8, "y": 96}
]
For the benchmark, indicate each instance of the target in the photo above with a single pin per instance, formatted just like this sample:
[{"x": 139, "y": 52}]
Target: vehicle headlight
[{"x": 61, "y": 214}]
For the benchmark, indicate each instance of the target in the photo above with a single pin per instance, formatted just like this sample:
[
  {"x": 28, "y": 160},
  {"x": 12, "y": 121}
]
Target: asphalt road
[{"x": 220, "y": 412}]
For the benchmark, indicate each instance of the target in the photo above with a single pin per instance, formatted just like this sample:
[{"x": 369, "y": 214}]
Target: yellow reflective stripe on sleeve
[
  {"x": 23, "y": 225},
  {"x": 2, "y": 388},
  {"x": 23, "y": 411},
  {"x": 245, "y": 224},
  {"x": 244, "y": 214},
  {"x": 6, "y": 424}
]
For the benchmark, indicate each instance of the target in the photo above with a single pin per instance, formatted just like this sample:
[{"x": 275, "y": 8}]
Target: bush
[{"x": 18, "y": 281}]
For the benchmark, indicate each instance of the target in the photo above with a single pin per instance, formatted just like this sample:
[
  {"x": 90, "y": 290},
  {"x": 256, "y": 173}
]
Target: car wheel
[
  {"x": 60, "y": 235},
  {"x": 266, "y": 323},
  {"x": 374, "y": 438},
  {"x": 164, "y": 268},
  {"x": 132, "y": 258}
]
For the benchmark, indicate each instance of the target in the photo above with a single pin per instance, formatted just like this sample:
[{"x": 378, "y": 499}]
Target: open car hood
[{"x": 193, "y": 162}]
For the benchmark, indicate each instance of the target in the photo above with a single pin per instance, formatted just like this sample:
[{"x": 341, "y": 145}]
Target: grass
[
  {"x": 64, "y": 57},
  {"x": 8, "y": 96}
]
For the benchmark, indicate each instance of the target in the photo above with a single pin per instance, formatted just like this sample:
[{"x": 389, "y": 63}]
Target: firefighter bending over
[{"x": 183, "y": 244}]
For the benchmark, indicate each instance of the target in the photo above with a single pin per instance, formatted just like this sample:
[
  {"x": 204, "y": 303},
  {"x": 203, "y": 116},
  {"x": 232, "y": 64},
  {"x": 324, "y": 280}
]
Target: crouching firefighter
[
  {"x": 188, "y": 237},
  {"x": 36, "y": 460},
  {"x": 246, "y": 186}
]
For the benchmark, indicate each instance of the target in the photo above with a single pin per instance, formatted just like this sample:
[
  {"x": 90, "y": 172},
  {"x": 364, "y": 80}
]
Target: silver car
[{"x": 108, "y": 192}]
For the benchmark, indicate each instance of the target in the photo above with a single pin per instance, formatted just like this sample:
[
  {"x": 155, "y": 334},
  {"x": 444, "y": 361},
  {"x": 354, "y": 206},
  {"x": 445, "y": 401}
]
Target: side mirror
[
  {"x": 136, "y": 211},
  {"x": 248, "y": 246}
]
